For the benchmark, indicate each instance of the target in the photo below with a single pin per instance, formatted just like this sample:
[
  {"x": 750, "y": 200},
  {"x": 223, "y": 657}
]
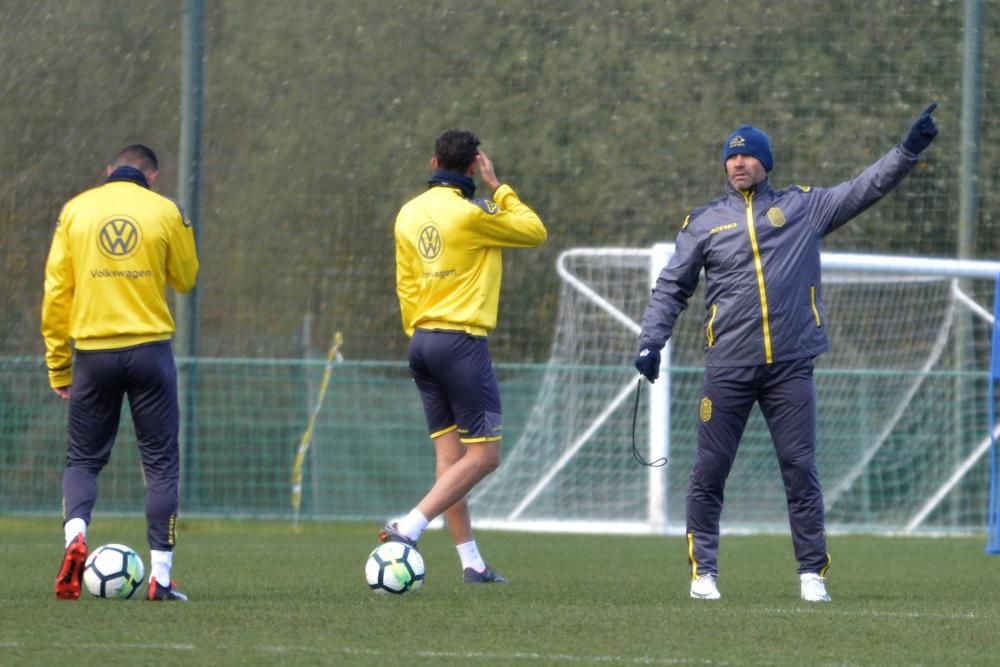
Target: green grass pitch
[{"x": 263, "y": 594}]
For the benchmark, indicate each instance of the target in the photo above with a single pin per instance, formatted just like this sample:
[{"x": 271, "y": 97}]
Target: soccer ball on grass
[
  {"x": 394, "y": 567},
  {"x": 113, "y": 571}
]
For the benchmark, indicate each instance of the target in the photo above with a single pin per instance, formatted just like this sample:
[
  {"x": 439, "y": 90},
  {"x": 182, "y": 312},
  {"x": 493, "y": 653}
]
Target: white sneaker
[
  {"x": 705, "y": 588},
  {"x": 813, "y": 587}
]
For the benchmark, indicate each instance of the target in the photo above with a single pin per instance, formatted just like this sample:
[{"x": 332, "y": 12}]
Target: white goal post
[{"x": 902, "y": 425}]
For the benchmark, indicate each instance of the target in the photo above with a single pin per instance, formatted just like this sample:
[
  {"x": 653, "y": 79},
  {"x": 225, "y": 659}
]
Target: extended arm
[{"x": 837, "y": 205}]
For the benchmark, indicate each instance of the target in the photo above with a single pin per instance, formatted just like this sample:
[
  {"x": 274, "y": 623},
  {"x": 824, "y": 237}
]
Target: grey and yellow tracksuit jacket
[
  {"x": 764, "y": 323},
  {"x": 760, "y": 252}
]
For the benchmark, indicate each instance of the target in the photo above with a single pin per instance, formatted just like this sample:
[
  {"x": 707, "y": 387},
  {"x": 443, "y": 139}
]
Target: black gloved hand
[
  {"x": 648, "y": 363},
  {"x": 922, "y": 132}
]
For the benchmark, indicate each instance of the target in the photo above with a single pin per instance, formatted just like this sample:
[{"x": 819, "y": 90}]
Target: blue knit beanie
[{"x": 748, "y": 140}]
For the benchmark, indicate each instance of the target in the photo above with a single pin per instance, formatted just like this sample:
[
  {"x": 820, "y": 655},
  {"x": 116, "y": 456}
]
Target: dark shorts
[{"x": 457, "y": 385}]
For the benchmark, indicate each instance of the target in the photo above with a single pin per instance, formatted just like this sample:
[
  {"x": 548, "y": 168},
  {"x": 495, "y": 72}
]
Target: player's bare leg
[
  {"x": 449, "y": 450},
  {"x": 467, "y": 467},
  {"x": 458, "y": 469},
  {"x": 459, "y": 478}
]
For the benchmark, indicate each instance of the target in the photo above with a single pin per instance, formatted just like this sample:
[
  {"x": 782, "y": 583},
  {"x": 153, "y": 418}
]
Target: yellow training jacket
[
  {"x": 448, "y": 256},
  {"x": 115, "y": 249}
]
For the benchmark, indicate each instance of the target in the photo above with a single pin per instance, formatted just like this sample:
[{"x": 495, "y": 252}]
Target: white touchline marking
[
  {"x": 515, "y": 655},
  {"x": 824, "y": 609},
  {"x": 546, "y": 657},
  {"x": 460, "y": 655},
  {"x": 142, "y": 646}
]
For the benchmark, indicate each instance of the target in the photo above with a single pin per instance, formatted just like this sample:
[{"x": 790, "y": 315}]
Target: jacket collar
[
  {"x": 130, "y": 174},
  {"x": 760, "y": 191},
  {"x": 453, "y": 179}
]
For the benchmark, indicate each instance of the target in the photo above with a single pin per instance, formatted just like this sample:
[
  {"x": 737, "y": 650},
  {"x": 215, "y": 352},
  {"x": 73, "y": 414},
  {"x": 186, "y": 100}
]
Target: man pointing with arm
[{"x": 764, "y": 324}]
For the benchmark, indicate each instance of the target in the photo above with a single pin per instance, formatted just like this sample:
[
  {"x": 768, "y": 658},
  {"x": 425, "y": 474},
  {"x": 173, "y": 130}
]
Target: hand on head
[{"x": 486, "y": 170}]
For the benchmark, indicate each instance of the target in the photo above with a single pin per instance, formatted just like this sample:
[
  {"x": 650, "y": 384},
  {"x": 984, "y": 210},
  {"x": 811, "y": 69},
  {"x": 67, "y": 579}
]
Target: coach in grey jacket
[{"x": 764, "y": 324}]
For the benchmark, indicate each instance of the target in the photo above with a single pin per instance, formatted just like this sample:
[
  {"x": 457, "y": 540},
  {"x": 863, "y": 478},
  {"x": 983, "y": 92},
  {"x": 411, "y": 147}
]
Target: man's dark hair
[
  {"x": 455, "y": 150},
  {"x": 139, "y": 156}
]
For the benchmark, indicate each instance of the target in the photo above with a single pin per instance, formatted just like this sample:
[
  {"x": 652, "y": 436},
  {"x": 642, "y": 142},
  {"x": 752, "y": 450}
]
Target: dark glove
[
  {"x": 648, "y": 363},
  {"x": 922, "y": 133}
]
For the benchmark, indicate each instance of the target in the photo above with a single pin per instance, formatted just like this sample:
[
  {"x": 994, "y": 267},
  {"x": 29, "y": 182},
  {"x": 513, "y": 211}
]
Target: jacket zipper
[{"x": 758, "y": 266}]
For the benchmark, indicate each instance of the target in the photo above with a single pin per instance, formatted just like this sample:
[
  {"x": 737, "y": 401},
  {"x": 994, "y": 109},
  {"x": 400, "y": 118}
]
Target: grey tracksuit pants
[{"x": 787, "y": 398}]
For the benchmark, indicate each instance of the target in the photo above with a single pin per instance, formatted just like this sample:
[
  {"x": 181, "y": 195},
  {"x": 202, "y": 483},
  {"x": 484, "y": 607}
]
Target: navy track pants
[
  {"x": 101, "y": 380},
  {"x": 787, "y": 397}
]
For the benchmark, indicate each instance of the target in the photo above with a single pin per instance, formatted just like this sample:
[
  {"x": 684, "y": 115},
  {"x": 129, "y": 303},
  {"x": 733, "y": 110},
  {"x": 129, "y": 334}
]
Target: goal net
[{"x": 903, "y": 410}]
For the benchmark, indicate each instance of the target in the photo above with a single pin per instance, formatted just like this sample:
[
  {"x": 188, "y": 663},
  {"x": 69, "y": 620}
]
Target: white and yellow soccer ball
[
  {"x": 113, "y": 571},
  {"x": 394, "y": 568}
]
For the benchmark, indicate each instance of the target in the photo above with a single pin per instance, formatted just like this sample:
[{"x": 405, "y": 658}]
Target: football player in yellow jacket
[
  {"x": 107, "y": 330},
  {"x": 448, "y": 271}
]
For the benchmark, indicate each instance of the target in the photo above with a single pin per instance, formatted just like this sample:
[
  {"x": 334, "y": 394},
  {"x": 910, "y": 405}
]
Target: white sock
[
  {"x": 160, "y": 563},
  {"x": 469, "y": 553},
  {"x": 412, "y": 525},
  {"x": 72, "y": 528}
]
